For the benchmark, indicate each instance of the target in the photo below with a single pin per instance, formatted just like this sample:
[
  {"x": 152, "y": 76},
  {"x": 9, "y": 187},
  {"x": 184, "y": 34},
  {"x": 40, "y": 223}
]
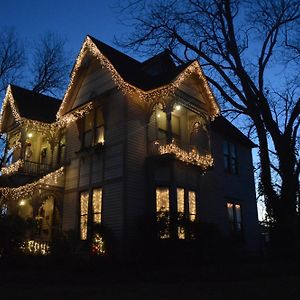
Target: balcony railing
[
  {"x": 34, "y": 168},
  {"x": 184, "y": 153}
]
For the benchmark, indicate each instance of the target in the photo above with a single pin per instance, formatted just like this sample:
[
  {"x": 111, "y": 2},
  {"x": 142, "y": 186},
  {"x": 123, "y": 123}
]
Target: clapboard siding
[
  {"x": 73, "y": 142},
  {"x": 72, "y": 175},
  {"x": 113, "y": 216},
  {"x": 70, "y": 211},
  {"x": 95, "y": 83},
  {"x": 135, "y": 157}
]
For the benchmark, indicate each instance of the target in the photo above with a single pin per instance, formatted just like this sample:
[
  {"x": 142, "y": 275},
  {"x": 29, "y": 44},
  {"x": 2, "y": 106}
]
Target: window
[
  {"x": 85, "y": 214},
  {"x": 93, "y": 128},
  {"x": 192, "y": 205},
  {"x": 186, "y": 210},
  {"x": 180, "y": 213},
  {"x": 235, "y": 218},
  {"x": 230, "y": 157},
  {"x": 97, "y": 205},
  {"x": 84, "y": 205},
  {"x": 162, "y": 212}
]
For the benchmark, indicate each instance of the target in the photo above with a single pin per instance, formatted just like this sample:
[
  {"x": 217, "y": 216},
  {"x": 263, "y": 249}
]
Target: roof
[
  {"x": 141, "y": 74},
  {"x": 226, "y": 128},
  {"x": 35, "y": 106}
]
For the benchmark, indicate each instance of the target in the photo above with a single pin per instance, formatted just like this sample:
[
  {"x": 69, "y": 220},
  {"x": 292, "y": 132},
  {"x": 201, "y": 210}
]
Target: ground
[{"x": 94, "y": 280}]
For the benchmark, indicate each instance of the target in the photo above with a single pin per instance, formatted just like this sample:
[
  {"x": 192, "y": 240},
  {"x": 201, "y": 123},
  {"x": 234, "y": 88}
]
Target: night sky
[{"x": 72, "y": 20}]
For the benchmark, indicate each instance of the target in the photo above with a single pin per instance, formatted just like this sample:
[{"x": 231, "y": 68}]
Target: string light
[
  {"x": 35, "y": 247},
  {"x": 28, "y": 189},
  {"x": 192, "y": 157},
  {"x": 13, "y": 168},
  {"x": 98, "y": 245},
  {"x": 154, "y": 95}
]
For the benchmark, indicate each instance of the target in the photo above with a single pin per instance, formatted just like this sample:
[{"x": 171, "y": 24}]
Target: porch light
[
  {"x": 30, "y": 134},
  {"x": 158, "y": 115},
  {"x": 22, "y": 202},
  {"x": 178, "y": 107}
]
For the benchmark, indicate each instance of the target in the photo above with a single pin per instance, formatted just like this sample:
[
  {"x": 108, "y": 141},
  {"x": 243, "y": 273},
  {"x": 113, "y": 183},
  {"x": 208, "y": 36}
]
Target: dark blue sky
[{"x": 71, "y": 19}]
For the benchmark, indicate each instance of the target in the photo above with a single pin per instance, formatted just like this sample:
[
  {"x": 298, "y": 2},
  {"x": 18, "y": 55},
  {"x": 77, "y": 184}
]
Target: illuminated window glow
[
  {"x": 162, "y": 212},
  {"x": 84, "y": 204},
  {"x": 180, "y": 211},
  {"x": 192, "y": 205},
  {"x": 97, "y": 205},
  {"x": 234, "y": 218}
]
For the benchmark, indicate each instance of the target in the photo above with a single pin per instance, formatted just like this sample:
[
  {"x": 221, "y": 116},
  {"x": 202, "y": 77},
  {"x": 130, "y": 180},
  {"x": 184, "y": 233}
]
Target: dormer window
[{"x": 93, "y": 128}]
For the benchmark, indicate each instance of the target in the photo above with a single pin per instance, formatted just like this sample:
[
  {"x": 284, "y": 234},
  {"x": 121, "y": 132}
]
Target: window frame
[
  {"x": 90, "y": 211},
  {"x": 94, "y": 128},
  {"x": 235, "y": 225},
  {"x": 230, "y": 157}
]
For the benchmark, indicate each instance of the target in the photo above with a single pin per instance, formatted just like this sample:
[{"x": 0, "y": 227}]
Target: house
[{"x": 131, "y": 142}]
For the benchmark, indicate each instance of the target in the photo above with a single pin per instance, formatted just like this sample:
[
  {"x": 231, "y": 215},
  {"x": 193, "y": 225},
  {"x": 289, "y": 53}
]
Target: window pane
[
  {"x": 99, "y": 138},
  {"x": 162, "y": 212},
  {"x": 232, "y": 150},
  {"x": 180, "y": 200},
  {"x": 99, "y": 117},
  {"x": 88, "y": 138},
  {"x": 162, "y": 199},
  {"x": 225, "y": 148},
  {"x": 192, "y": 205},
  {"x": 238, "y": 213},
  {"x": 97, "y": 204},
  {"x": 84, "y": 204},
  {"x": 88, "y": 122},
  {"x": 233, "y": 165},
  {"x": 230, "y": 212}
]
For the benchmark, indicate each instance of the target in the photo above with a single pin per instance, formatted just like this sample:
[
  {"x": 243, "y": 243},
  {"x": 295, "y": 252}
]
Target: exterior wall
[
  {"x": 103, "y": 168},
  {"x": 219, "y": 187}
]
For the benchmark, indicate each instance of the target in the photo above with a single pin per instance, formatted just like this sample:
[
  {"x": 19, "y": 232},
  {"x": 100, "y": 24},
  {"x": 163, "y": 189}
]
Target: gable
[
  {"x": 90, "y": 83},
  {"x": 161, "y": 86}
]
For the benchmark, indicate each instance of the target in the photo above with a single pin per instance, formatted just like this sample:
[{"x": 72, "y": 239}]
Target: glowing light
[
  {"x": 152, "y": 96},
  {"x": 35, "y": 247},
  {"x": 30, "y": 134},
  {"x": 28, "y": 189},
  {"x": 98, "y": 245},
  {"x": 22, "y": 202},
  {"x": 178, "y": 107},
  {"x": 193, "y": 157},
  {"x": 13, "y": 168}
]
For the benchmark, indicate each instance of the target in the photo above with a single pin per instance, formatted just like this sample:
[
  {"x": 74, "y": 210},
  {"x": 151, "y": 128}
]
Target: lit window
[
  {"x": 230, "y": 157},
  {"x": 192, "y": 205},
  {"x": 84, "y": 204},
  {"x": 93, "y": 128},
  {"x": 234, "y": 217},
  {"x": 180, "y": 212},
  {"x": 161, "y": 118},
  {"x": 162, "y": 212},
  {"x": 97, "y": 203}
]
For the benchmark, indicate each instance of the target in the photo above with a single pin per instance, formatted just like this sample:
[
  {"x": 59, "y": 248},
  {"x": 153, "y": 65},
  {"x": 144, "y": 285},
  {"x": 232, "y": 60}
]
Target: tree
[
  {"x": 50, "y": 65},
  {"x": 12, "y": 57},
  {"x": 239, "y": 44}
]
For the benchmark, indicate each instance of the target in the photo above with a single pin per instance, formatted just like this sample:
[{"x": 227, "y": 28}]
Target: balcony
[
  {"x": 26, "y": 168},
  {"x": 185, "y": 153}
]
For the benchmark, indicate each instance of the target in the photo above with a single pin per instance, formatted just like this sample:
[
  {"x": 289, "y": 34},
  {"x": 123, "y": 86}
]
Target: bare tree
[
  {"x": 50, "y": 65},
  {"x": 239, "y": 44},
  {"x": 12, "y": 57}
]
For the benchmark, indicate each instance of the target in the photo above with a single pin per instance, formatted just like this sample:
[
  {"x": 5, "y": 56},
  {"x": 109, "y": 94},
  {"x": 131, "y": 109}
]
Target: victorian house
[{"x": 130, "y": 141}]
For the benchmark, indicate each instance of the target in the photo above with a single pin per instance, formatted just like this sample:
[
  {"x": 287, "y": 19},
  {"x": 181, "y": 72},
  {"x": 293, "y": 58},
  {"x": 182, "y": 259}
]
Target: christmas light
[
  {"x": 98, "y": 245},
  {"x": 35, "y": 247},
  {"x": 13, "y": 168},
  {"x": 193, "y": 157},
  {"x": 28, "y": 189},
  {"x": 154, "y": 95}
]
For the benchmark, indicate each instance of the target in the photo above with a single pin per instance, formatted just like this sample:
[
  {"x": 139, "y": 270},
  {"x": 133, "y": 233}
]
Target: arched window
[{"x": 199, "y": 138}]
